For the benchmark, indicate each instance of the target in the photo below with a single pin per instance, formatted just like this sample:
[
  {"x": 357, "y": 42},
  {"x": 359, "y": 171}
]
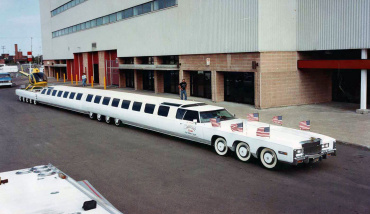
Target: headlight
[
  {"x": 298, "y": 151},
  {"x": 325, "y": 145}
]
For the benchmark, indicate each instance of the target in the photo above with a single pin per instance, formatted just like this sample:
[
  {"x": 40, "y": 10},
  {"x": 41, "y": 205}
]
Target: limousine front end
[{"x": 313, "y": 151}]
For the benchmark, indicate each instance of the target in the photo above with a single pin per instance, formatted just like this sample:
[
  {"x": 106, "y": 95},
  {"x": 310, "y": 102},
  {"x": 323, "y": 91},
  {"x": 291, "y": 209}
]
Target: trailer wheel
[
  {"x": 117, "y": 122},
  {"x": 99, "y": 117},
  {"x": 107, "y": 119},
  {"x": 243, "y": 151},
  {"x": 92, "y": 115},
  {"x": 268, "y": 158},
  {"x": 221, "y": 146}
]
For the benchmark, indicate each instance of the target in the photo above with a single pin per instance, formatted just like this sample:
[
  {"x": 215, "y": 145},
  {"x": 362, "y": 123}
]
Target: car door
[{"x": 189, "y": 126}]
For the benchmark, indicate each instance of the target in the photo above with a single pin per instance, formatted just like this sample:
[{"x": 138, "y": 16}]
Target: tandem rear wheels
[{"x": 108, "y": 120}]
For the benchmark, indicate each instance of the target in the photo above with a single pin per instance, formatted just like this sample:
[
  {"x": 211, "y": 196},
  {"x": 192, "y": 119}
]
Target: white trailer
[
  {"x": 191, "y": 120},
  {"x": 46, "y": 189}
]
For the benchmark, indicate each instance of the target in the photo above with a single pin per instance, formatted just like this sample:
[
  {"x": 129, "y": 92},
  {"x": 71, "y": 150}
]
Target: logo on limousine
[{"x": 190, "y": 128}]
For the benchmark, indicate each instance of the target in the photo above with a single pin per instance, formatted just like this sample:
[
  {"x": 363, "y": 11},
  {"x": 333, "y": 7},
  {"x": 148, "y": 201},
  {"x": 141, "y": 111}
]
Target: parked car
[{"x": 5, "y": 80}]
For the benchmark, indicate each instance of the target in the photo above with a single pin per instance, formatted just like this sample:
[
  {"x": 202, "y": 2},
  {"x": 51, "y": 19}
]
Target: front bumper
[
  {"x": 314, "y": 158},
  {"x": 6, "y": 83}
]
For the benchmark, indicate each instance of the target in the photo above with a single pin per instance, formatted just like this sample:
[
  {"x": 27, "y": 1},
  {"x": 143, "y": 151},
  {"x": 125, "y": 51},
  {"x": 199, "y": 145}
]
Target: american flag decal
[
  {"x": 216, "y": 122},
  {"x": 263, "y": 132},
  {"x": 238, "y": 127},
  {"x": 305, "y": 125},
  {"x": 253, "y": 117},
  {"x": 278, "y": 120}
]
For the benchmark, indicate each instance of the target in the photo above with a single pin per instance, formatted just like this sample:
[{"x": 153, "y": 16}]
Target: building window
[
  {"x": 120, "y": 15},
  {"x": 147, "y": 7},
  {"x": 170, "y": 60},
  {"x": 93, "y": 23},
  {"x": 113, "y": 17},
  {"x": 88, "y": 24},
  {"x": 105, "y": 20},
  {"x": 138, "y": 10},
  {"x": 158, "y": 4},
  {"x": 99, "y": 21},
  {"x": 129, "y": 13}
]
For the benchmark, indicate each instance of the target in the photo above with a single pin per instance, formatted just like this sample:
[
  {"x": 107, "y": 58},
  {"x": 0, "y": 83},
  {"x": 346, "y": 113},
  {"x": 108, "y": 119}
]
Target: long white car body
[
  {"x": 8, "y": 69},
  {"x": 190, "y": 120}
]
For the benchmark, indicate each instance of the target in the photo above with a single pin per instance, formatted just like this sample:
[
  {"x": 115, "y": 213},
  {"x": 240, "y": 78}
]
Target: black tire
[
  {"x": 92, "y": 115},
  {"x": 117, "y": 122},
  {"x": 99, "y": 117}
]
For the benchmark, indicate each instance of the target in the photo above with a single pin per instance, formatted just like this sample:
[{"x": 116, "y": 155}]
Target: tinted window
[
  {"x": 89, "y": 98},
  {"x": 149, "y": 108},
  {"x": 106, "y": 100},
  {"x": 43, "y": 91},
  {"x": 191, "y": 115},
  {"x": 49, "y": 91},
  {"x": 54, "y": 93},
  {"x": 115, "y": 102},
  {"x": 72, "y": 96},
  {"x": 136, "y": 106},
  {"x": 125, "y": 104},
  {"x": 147, "y": 7},
  {"x": 129, "y": 12},
  {"x": 65, "y": 95},
  {"x": 79, "y": 96},
  {"x": 97, "y": 99},
  {"x": 180, "y": 113},
  {"x": 163, "y": 111},
  {"x": 60, "y": 93}
]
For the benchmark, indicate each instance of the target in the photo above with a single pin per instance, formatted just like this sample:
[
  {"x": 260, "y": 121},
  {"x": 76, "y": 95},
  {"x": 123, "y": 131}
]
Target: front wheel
[
  {"x": 243, "y": 152},
  {"x": 268, "y": 158},
  {"x": 221, "y": 146}
]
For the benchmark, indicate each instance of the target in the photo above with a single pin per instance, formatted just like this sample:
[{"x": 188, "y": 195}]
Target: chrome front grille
[{"x": 311, "y": 147}]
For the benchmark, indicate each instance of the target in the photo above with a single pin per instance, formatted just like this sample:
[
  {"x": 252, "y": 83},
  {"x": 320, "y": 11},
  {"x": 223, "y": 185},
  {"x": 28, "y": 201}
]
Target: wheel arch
[{"x": 214, "y": 137}]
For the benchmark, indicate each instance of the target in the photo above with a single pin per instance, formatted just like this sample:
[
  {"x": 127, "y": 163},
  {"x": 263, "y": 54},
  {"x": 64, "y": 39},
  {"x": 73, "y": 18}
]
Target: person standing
[
  {"x": 84, "y": 80},
  {"x": 182, "y": 87}
]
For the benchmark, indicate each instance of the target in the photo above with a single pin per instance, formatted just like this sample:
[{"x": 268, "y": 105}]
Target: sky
[{"x": 20, "y": 20}]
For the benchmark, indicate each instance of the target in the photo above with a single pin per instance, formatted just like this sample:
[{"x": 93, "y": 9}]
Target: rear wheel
[
  {"x": 20, "y": 99},
  {"x": 243, "y": 151},
  {"x": 268, "y": 158},
  {"x": 35, "y": 102},
  {"x": 99, "y": 117},
  {"x": 107, "y": 120},
  {"x": 117, "y": 122},
  {"x": 221, "y": 146},
  {"x": 92, "y": 115}
]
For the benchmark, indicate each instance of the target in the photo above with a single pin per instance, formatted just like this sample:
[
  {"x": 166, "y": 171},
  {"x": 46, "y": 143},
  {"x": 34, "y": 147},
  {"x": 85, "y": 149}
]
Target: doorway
[
  {"x": 200, "y": 84},
  {"x": 148, "y": 80},
  {"x": 96, "y": 73},
  {"x": 239, "y": 87},
  {"x": 130, "y": 82},
  {"x": 171, "y": 82}
]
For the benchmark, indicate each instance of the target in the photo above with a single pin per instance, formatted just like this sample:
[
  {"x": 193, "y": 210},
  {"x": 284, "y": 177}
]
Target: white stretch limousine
[{"x": 190, "y": 120}]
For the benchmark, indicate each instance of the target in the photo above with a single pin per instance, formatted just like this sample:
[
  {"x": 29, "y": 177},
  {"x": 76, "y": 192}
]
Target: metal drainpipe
[{"x": 363, "y": 81}]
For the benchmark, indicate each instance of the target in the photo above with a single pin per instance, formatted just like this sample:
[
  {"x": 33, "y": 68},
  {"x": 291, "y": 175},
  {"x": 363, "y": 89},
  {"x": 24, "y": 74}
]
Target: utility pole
[{"x": 3, "y": 47}]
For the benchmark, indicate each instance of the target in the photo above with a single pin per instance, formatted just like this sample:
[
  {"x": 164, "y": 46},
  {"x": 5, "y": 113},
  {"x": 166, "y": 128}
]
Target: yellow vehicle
[{"x": 36, "y": 79}]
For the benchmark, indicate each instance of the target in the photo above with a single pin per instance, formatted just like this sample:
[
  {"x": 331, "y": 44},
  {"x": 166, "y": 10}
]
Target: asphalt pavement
[{"x": 140, "y": 171}]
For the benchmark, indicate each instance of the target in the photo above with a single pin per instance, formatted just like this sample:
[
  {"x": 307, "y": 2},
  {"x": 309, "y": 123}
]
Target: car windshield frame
[{"x": 223, "y": 114}]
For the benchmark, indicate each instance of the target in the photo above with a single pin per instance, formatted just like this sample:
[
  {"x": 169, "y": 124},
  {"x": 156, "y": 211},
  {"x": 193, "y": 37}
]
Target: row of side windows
[
  {"x": 57, "y": 93},
  {"x": 136, "y": 106}
]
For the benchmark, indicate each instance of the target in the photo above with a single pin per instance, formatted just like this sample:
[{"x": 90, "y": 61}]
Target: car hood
[{"x": 278, "y": 134}]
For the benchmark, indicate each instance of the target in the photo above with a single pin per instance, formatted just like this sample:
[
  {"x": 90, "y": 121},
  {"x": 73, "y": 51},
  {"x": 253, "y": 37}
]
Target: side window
[
  {"x": 49, "y": 91},
  {"x": 43, "y": 91},
  {"x": 79, "y": 96},
  {"x": 115, "y": 102},
  {"x": 180, "y": 113},
  {"x": 54, "y": 93},
  {"x": 60, "y": 93},
  {"x": 191, "y": 115},
  {"x": 163, "y": 111},
  {"x": 65, "y": 95},
  {"x": 89, "y": 98},
  {"x": 106, "y": 100},
  {"x": 136, "y": 106},
  {"x": 125, "y": 104},
  {"x": 97, "y": 99},
  {"x": 72, "y": 96},
  {"x": 149, "y": 108}
]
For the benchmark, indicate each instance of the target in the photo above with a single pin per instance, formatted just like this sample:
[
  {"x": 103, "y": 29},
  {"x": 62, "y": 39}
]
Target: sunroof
[
  {"x": 171, "y": 104},
  {"x": 193, "y": 105}
]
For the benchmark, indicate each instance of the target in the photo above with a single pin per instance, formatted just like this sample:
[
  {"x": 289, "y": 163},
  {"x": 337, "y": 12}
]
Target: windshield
[
  {"x": 222, "y": 114},
  {"x": 40, "y": 77},
  {"x": 4, "y": 75}
]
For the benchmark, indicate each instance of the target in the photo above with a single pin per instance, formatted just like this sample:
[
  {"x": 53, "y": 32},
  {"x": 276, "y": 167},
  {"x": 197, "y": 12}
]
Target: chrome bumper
[{"x": 314, "y": 158}]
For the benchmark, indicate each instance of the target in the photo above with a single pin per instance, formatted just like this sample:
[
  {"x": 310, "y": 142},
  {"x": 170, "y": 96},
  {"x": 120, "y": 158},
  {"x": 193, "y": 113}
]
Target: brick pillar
[
  {"x": 101, "y": 55},
  {"x": 158, "y": 82},
  {"x": 122, "y": 79},
  {"x": 217, "y": 82},
  {"x": 138, "y": 79},
  {"x": 185, "y": 75}
]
